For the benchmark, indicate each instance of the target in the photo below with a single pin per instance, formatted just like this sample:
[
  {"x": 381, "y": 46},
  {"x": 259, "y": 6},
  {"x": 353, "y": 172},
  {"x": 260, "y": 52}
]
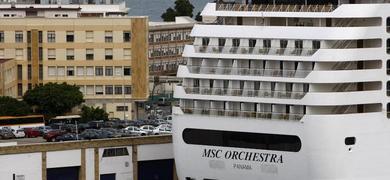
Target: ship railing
[
  {"x": 240, "y": 113},
  {"x": 249, "y": 72},
  {"x": 275, "y": 7},
  {"x": 262, "y": 93},
  {"x": 255, "y": 50}
]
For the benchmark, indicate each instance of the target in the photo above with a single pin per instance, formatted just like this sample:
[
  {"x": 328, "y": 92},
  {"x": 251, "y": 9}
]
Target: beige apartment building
[
  {"x": 105, "y": 56},
  {"x": 166, "y": 44}
]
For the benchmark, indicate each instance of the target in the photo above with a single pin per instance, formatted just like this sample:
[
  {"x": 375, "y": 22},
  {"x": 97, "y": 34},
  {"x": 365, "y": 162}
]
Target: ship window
[
  {"x": 388, "y": 67},
  {"x": 283, "y": 43},
  {"x": 267, "y": 43},
  {"x": 316, "y": 44},
  {"x": 221, "y": 42},
  {"x": 388, "y": 46},
  {"x": 388, "y": 24},
  {"x": 388, "y": 110},
  {"x": 274, "y": 142},
  {"x": 388, "y": 88},
  {"x": 205, "y": 41},
  {"x": 350, "y": 141},
  {"x": 236, "y": 42}
]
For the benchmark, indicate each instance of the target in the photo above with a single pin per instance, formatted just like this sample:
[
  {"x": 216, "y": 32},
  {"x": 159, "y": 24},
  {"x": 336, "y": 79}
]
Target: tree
[
  {"x": 182, "y": 8},
  {"x": 169, "y": 15},
  {"x": 54, "y": 99},
  {"x": 90, "y": 113},
  {"x": 12, "y": 107},
  {"x": 198, "y": 17}
]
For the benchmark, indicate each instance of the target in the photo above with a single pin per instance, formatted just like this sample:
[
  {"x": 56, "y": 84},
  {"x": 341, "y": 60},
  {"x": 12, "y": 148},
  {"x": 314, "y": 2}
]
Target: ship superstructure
[{"x": 285, "y": 90}]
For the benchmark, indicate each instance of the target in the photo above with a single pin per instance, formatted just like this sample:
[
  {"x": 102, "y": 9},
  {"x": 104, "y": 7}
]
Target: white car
[
  {"x": 168, "y": 118},
  {"x": 19, "y": 133},
  {"x": 162, "y": 130},
  {"x": 147, "y": 128},
  {"x": 135, "y": 131}
]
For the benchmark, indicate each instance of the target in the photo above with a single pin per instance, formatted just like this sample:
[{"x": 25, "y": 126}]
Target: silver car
[
  {"x": 147, "y": 128},
  {"x": 135, "y": 131}
]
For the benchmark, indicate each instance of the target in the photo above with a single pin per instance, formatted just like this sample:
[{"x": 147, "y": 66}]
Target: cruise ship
[{"x": 286, "y": 90}]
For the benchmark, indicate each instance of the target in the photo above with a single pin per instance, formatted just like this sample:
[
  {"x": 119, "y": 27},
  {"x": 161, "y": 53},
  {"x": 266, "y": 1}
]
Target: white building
[{"x": 286, "y": 91}]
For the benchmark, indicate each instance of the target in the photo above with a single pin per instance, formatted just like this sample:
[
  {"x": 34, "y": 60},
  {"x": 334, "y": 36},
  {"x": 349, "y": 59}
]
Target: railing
[
  {"x": 275, "y": 8},
  {"x": 255, "y": 50},
  {"x": 262, "y": 93},
  {"x": 249, "y": 72},
  {"x": 247, "y": 114}
]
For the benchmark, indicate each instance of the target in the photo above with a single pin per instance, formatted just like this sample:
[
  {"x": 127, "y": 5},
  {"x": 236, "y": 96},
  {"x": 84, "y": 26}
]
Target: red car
[
  {"x": 53, "y": 134},
  {"x": 32, "y": 132}
]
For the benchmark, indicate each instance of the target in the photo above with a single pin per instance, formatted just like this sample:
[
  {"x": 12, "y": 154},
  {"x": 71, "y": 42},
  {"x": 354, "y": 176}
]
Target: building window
[
  {"x": 20, "y": 89},
  {"x": 69, "y": 36},
  {"x": 1, "y": 53},
  {"x": 127, "y": 89},
  {"x": 19, "y": 36},
  {"x": 98, "y": 71},
  {"x": 108, "y": 36},
  {"x": 29, "y": 86},
  {"x": 1, "y": 36},
  {"x": 109, "y": 71},
  {"x": 19, "y": 54},
  {"x": 127, "y": 54},
  {"x": 118, "y": 71},
  {"x": 122, "y": 108},
  {"x": 80, "y": 71},
  {"x": 89, "y": 36},
  {"x": 40, "y": 53},
  {"x": 118, "y": 90},
  {"x": 99, "y": 90},
  {"x": 108, "y": 54},
  {"x": 388, "y": 67},
  {"x": 29, "y": 53},
  {"x": 109, "y": 90},
  {"x": 51, "y": 36},
  {"x": 61, "y": 71},
  {"x": 90, "y": 90},
  {"x": 51, "y": 54},
  {"x": 82, "y": 89},
  {"x": 29, "y": 72},
  {"x": 90, "y": 71},
  {"x": 40, "y": 36},
  {"x": 89, "y": 55},
  {"x": 40, "y": 72},
  {"x": 127, "y": 71},
  {"x": 52, "y": 71},
  {"x": 20, "y": 72},
  {"x": 113, "y": 152},
  {"x": 70, "y": 71},
  {"x": 69, "y": 54},
  {"x": 235, "y": 139},
  {"x": 126, "y": 36},
  {"x": 350, "y": 141}
]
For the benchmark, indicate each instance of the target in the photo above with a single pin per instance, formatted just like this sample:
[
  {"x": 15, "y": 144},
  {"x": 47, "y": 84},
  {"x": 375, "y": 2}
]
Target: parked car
[
  {"x": 6, "y": 134},
  {"x": 115, "y": 133},
  {"x": 168, "y": 119},
  {"x": 147, "y": 128},
  {"x": 89, "y": 134},
  {"x": 162, "y": 130},
  {"x": 83, "y": 126},
  {"x": 32, "y": 132},
  {"x": 96, "y": 124},
  {"x": 19, "y": 133},
  {"x": 44, "y": 129},
  {"x": 53, "y": 134},
  {"x": 164, "y": 126},
  {"x": 67, "y": 137},
  {"x": 135, "y": 131}
]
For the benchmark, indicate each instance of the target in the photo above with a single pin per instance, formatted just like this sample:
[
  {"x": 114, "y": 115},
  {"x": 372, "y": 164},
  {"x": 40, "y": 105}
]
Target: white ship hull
[{"x": 323, "y": 155}]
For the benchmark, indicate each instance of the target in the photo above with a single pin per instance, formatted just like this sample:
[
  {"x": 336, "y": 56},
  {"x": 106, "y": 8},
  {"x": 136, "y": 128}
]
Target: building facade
[
  {"x": 105, "y": 56},
  {"x": 166, "y": 44}
]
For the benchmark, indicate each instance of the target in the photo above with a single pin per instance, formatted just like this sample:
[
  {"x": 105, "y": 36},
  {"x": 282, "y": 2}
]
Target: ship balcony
[
  {"x": 243, "y": 114},
  {"x": 255, "y": 50},
  {"x": 249, "y": 72},
  {"x": 245, "y": 93},
  {"x": 275, "y": 7}
]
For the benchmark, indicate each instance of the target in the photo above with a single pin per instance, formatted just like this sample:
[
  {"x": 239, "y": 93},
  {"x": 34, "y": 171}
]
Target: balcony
[
  {"x": 249, "y": 72},
  {"x": 262, "y": 93},
  {"x": 275, "y": 8},
  {"x": 255, "y": 50},
  {"x": 244, "y": 114}
]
